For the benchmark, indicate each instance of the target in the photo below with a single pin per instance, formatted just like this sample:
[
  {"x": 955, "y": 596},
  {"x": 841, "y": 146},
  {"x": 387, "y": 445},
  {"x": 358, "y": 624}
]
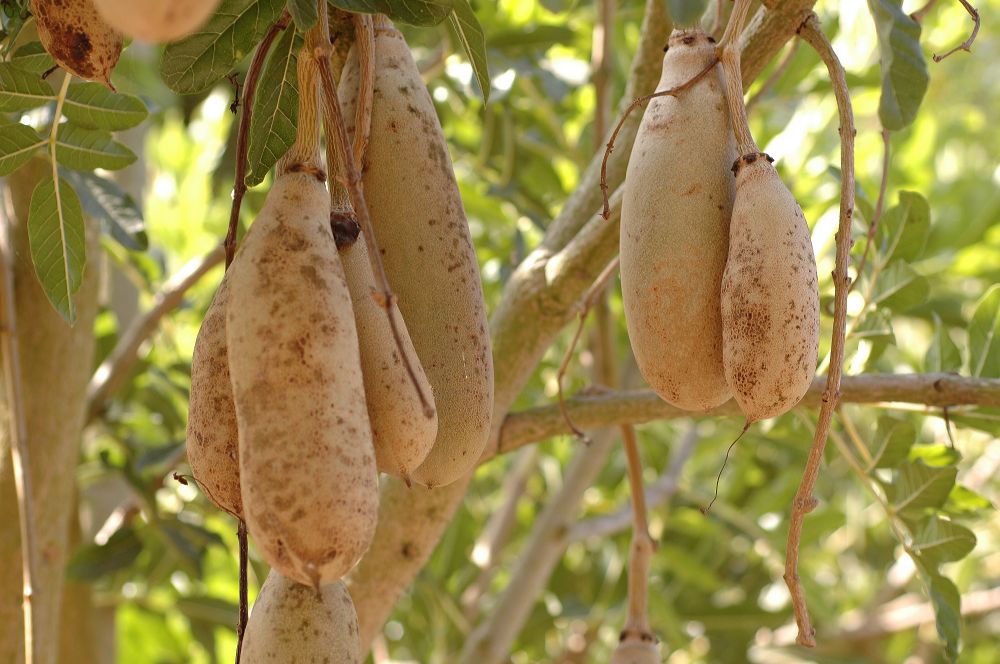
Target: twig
[
  {"x": 241, "y": 625},
  {"x": 590, "y": 297},
  {"x": 243, "y": 132},
  {"x": 933, "y": 390},
  {"x": 919, "y": 15},
  {"x": 879, "y": 206},
  {"x": 600, "y": 64},
  {"x": 111, "y": 374},
  {"x": 333, "y": 120},
  {"x": 804, "y": 501},
  {"x": 364, "y": 32},
  {"x": 734, "y": 27},
  {"x": 18, "y": 432},
  {"x": 967, "y": 44},
  {"x": 775, "y": 76},
  {"x": 642, "y": 547},
  {"x": 657, "y": 494},
  {"x": 672, "y": 92}
]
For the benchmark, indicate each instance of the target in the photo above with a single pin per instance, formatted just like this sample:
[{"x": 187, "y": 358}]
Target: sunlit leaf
[
  {"x": 58, "y": 250},
  {"x": 275, "y": 107},
  {"x": 947, "y": 604},
  {"x": 92, "y": 105},
  {"x": 21, "y": 90},
  {"x": 473, "y": 40},
  {"x": 904, "y": 228},
  {"x": 904, "y": 67},
  {"x": 984, "y": 335},
  {"x": 86, "y": 149},
  {"x": 93, "y": 561},
  {"x": 941, "y": 541},
  {"x": 196, "y": 63},
  {"x": 900, "y": 288},
  {"x": 304, "y": 12},
  {"x": 942, "y": 354},
  {"x": 893, "y": 440},
  {"x": 32, "y": 57},
  {"x": 918, "y": 487},
  {"x": 414, "y": 12},
  {"x": 17, "y": 143}
]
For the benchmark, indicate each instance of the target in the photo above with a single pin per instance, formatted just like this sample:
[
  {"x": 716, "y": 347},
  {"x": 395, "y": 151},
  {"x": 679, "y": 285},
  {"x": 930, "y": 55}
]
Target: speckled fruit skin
[
  {"x": 421, "y": 229},
  {"x": 307, "y": 467},
  {"x": 77, "y": 38},
  {"x": 294, "y": 624},
  {"x": 770, "y": 296},
  {"x": 402, "y": 434},
  {"x": 156, "y": 21},
  {"x": 636, "y": 652},
  {"x": 675, "y": 231},
  {"x": 212, "y": 434}
]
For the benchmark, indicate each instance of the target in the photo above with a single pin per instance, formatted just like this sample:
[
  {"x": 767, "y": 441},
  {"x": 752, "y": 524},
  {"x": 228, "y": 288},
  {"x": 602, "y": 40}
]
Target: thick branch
[
  {"x": 112, "y": 373},
  {"x": 592, "y": 411}
]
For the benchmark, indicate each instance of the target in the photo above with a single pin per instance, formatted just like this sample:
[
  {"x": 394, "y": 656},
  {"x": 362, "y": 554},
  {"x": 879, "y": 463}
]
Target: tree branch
[
  {"x": 112, "y": 373},
  {"x": 593, "y": 411}
]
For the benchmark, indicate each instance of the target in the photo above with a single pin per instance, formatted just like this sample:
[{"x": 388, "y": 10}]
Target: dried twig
[
  {"x": 111, "y": 374},
  {"x": 642, "y": 547},
  {"x": 18, "y": 432},
  {"x": 241, "y": 625},
  {"x": 336, "y": 132},
  {"x": 967, "y": 44},
  {"x": 364, "y": 34},
  {"x": 804, "y": 501},
  {"x": 243, "y": 132},
  {"x": 589, "y": 299},
  {"x": 879, "y": 206},
  {"x": 672, "y": 92}
]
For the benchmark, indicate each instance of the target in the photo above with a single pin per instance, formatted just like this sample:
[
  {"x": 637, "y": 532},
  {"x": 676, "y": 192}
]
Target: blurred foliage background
[{"x": 162, "y": 561}]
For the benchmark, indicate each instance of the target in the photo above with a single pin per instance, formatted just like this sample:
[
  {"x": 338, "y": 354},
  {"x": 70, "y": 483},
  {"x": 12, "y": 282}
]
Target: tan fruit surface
[
  {"x": 421, "y": 228},
  {"x": 770, "y": 296},
  {"x": 307, "y": 466},
  {"x": 675, "y": 230},
  {"x": 156, "y": 21},
  {"x": 636, "y": 652},
  {"x": 77, "y": 38},
  {"x": 402, "y": 434},
  {"x": 212, "y": 435},
  {"x": 296, "y": 624}
]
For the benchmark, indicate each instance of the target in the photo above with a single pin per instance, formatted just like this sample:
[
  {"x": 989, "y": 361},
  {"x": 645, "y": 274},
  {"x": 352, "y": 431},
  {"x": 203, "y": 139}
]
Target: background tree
[{"x": 526, "y": 560}]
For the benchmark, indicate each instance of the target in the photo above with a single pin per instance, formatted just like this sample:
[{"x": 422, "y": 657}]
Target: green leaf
[
  {"x": 32, "y": 57},
  {"x": 56, "y": 236},
  {"x": 93, "y": 561},
  {"x": 213, "y": 610},
  {"x": 984, "y": 336},
  {"x": 93, "y": 105},
  {"x": 304, "y": 13},
  {"x": 893, "y": 438},
  {"x": 414, "y": 12},
  {"x": 942, "y": 354},
  {"x": 900, "y": 288},
  {"x": 196, "y": 63},
  {"x": 685, "y": 13},
  {"x": 470, "y": 33},
  {"x": 86, "y": 149},
  {"x": 904, "y": 68},
  {"x": 272, "y": 122},
  {"x": 17, "y": 143},
  {"x": 919, "y": 487},
  {"x": 941, "y": 541},
  {"x": 904, "y": 228},
  {"x": 21, "y": 90},
  {"x": 118, "y": 214},
  {"x": 947, "y": 604}
]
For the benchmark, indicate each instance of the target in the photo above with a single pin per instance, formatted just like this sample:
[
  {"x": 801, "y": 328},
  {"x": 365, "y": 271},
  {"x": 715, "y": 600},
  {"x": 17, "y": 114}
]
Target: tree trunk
[{"x": 56, "y": 363}]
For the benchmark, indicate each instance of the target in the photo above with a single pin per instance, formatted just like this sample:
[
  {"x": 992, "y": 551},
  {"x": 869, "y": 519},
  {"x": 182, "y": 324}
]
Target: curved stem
[
  {"x": 804, "y": 501},
  {"x": 734, "y": 100}
]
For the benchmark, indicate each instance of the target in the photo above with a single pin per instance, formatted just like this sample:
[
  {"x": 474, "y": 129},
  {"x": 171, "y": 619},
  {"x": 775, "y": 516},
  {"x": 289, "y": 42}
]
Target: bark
[{"x": 56, "y": 361}]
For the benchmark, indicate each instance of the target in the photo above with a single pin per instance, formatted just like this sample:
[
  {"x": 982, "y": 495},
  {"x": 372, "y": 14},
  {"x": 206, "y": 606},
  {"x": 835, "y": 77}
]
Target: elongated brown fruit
[
  {"x": 293, "y": 623},
  {"x": 770, "y": 295},
  {"x": 77, "y": 38},
  {"x": 156, "y": 21},
  {"x": 212, "y": 435},
  {"x": 675, "y": 230},
  {"x": 307, "y": 467},
  {"x": 421, "y": 228},
  {"x": 403, "y": 435}
]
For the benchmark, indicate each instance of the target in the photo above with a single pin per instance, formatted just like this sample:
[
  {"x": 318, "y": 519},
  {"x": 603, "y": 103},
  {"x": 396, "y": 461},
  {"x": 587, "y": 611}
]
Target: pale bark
[{"x": 56, "y": 362}]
